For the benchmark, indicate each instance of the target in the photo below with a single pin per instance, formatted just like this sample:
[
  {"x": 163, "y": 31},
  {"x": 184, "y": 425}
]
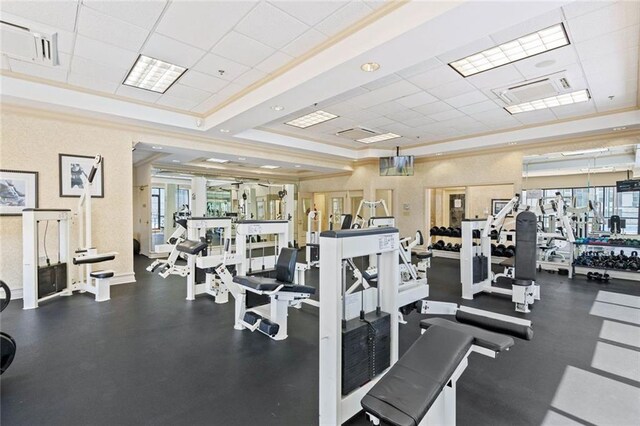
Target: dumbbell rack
[
  {"x": 454, "y": 254},
  {"x": 613, "y": 272}
]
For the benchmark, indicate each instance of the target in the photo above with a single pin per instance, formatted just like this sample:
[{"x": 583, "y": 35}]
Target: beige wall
[
  {"x": 479, "y": 198},
  {"x": 32, "y": 142}
]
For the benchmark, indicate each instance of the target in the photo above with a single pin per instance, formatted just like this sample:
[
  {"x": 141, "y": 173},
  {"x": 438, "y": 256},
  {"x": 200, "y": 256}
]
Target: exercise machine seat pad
[
  {"x": 526, "y": 246},
  {"x": 191, "y": 247},
  {"x": 496, "y": 325},
  {"x": 270, "y": 284},
  {"x": 424, "y": 255},
  {"x": 182, "y": 222},
  {"x": 102, "y": 274},
  {"x": 403, "y": 396},
  {"x": 487, "y": 339},
  {"x": 286, "y": 265},
  {"x": 81, "y": 260}
]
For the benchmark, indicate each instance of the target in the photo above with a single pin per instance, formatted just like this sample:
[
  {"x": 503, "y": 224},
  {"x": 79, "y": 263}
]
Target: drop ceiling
[{"x": 414, "y": 94}]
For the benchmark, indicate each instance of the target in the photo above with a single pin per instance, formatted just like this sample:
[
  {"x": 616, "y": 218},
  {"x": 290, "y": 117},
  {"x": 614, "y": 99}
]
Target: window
[
  {"x": 182, "y": 198},
  {"x": 157, "y": 208}
]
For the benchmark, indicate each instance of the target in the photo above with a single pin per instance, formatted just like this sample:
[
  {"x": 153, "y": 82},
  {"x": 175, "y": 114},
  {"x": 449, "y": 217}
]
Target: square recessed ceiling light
[
  {"x": 269, "y": 167},
  {"x": 379, "y": 138},
  {"x": 550, "y": 102},
  {"x": 217, "y": 160},
  {"x": 309, "y": 120},
  {"x": 512, "y": 51},
  {"x": 153, "y": 74}
]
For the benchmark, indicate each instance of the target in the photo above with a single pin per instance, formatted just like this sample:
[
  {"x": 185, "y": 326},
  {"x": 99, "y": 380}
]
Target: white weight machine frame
[
  {"x": 168, "y": 265},
  {"x": 313, "y": 235},
  {"x": 334, "y": 408},
  {"x": 358, "y": 221}
]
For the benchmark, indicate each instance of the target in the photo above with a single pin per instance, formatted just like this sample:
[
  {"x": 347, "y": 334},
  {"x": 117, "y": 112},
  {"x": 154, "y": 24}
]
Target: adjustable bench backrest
[
  {"x": 346, "y": 221},
  {"x": 526, "y": 240},
  {"x": 286, "y": 265}
]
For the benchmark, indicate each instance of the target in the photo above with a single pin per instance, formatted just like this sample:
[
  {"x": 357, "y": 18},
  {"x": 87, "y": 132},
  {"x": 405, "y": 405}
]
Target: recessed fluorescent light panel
[
  {"x": 550, "y": 102},
  {"x": 309, "y": 120},
  {"x": 585, "y": 151},
  {"x": 217, "y": 160},
  {"x": 512, "y": 51},
  {"x": 269, "y": 167},
  {"x": 153, "y": 74},
  {"x": 379, "y": 138}
]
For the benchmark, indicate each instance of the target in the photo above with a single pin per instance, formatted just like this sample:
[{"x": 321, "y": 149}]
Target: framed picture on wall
[
  {"x": 497, "y": 205},
  {"x": 72, "y": 168},
  {"x": 18, "y": 191}
]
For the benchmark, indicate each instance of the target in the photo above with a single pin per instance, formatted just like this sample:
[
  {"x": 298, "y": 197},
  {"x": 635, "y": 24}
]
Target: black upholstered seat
[
  {"x": 102, "y": 274},
  {"x": 424, "y": 255},
  {"x": 487, "y": 339},
  {"x": 526, "y": 242},
  {"x": 403, "y": 396},
  {"x": 285, "y": 272},
  {"x": 191, "y": 247}
]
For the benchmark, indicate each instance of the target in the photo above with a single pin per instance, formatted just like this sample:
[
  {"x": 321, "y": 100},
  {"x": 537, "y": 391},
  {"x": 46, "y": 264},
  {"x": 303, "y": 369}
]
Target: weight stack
[
  {"x": 366, "y": 349},
  {"x": 480, "y": 268}
]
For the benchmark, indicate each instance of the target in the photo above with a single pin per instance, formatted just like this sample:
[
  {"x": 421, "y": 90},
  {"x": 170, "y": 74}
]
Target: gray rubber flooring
[{"x": 150, "y": 357}]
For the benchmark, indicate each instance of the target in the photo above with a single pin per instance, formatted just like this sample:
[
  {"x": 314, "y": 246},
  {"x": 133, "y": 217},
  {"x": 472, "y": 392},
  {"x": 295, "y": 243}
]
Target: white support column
[{"x": 198, "y": 196}]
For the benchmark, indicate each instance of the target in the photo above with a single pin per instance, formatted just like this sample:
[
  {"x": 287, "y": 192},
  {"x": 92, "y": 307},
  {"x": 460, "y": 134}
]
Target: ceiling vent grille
[
  {"x": 356, "y": 133},
  {"x": 25, "y": 44},
  {"x": 551, "y": 85}
]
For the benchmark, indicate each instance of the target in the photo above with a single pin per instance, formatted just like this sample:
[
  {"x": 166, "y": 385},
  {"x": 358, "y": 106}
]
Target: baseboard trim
[
  {"x": 123, "y": 278},
  {"x": 16, "y": 293}
]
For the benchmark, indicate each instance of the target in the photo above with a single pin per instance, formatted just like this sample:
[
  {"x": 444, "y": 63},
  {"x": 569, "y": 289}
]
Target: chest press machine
[
  {"x": 167, "y": 266},
  {"x": 359, "y": 365}
]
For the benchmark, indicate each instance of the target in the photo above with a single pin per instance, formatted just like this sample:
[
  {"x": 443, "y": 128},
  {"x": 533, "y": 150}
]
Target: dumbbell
[
  {"x": 434, "y": 231},
  {"x": 510, "y": 251},
  {"x": 439, "y": 245},
  {"x": 476, "y": 233},
  {"x": 456, "y": 232},
  {"x": 443, "y": 231},
  {"x": 493, "y": 250},
  {"x": 449, "y": 232},
  {"x": 500, "y": 250},
  {"x": 457, "y": 247},
  {"x": 448, "y": 247}
]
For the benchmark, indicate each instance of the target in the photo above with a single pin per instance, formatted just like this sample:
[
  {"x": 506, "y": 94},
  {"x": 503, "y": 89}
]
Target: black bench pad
[
  {"x": 487, "y": 339},
  {"x": 191, "y": 247},
  {"x": 270, "y": 284},
  {"x": 424, "y": 255},
  {"x": 404, "y": 395},
  {"x": 83, "y": 260},
  {"x": 102, "y": 274}
]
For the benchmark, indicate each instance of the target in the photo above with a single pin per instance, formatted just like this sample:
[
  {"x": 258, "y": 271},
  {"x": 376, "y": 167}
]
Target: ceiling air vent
[
  {"x": 356, "y": 133},
  {"x": 540, "y": 88},
  {"x": 26, "y": 44}
]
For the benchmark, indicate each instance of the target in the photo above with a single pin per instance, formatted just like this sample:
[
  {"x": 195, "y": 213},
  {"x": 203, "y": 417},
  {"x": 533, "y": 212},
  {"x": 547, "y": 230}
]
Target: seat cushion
[
  {"x": 191, "y": 247},
  {"x": 424, "y": 255},
  {"x": 404, "y": 395},
  {"x": 293, "y": 288},
  {"x": 102, "y": 274},
  {"x": 258, "y": 283},
  {"x": 487, "y": 339},
  {"x": 521, "y": 282}
]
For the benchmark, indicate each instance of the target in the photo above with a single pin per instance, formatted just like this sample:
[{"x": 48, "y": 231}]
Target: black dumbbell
[{"x": 435, "y": 231}]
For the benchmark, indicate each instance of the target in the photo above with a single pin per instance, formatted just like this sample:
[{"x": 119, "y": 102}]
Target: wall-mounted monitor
[{"x": 401, "y": 165}]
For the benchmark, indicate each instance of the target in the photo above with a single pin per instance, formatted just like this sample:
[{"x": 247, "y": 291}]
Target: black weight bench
[
  {"x": 426, "y": 375},
  {"x": 191, "y": 247},
  {"x": 271, "y": 319}
]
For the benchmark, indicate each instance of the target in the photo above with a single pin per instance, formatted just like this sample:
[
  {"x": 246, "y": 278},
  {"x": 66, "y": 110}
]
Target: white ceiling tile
[
  {"x": 40, "y": 71},
  {"x": 479, "y": 107},
  {"x": 202, "y": 81},
  {"x": 417, "y": 99},
  {"x": 472, "y": 48},
  {"x": 420, "y": 68},
  {"x": 250, "y": 77},
  {"x": 273, "y": 62},
  {"x": 446, "y": 115},
  {"x": 387, "y": 108},
  {"x": 615, "y": 41},
  {"x": 562, "y": 57},
  {"x": 89, "y": 82},
  {"x": 208, "y": 104},
  {"x": 110, "y": 30},
  {"x": 214, "y": 20},
  {"x": 89, "y": 68},
  {"x": 191, "y": 93},
  {"x": 577, "y": 8},
  {"x": 309, "y": 12},
  {"x": 211, "y": 64},
  {"x": 59, "y": 14},
  {"x": 175, "y": 102},
  {"x": 496, "y": 77},
  {"x": 614, "y": 66},
  {"x": 240, "y": 48},
  {"x": 397, "y": 128},
  {"x": 403, "y": 115},
  {"x": 140, "y": 13},
  {"x": 626, "y": 100},
  {"x": 435, "y": 77},
  {"x": 604, "y": 20},
  {"x": 304, "y": 43},
  {"x": 343, "y": 17},
  {"x": 393, "y": 91},
  {"x": 452, "y": 89},
  {"x": 361, "y": 115},
  {"x": 418, "y": 121},
  {"x": 230, "y": 90},
  {"x": 341, "y": 108},
  {"x": 4, "y": 62},
  {"x": 603, "y": 87},
  {"x": 103, "y": 53},
  {"x": 382, "y": 82},
  {"x": 172, "y": 51},
  {"x": 493, "y": 115},
  {"x": 529, "y": 26},
  {"x": 573, "y": 110},
  {"x": 271, "y": 26},
  {"x": 433, "y": 108},
  {"x": 139, "y": 94},
  {"x": 65, "y": 38},
  {"x": 466, "y": 99},
  {"x": 535, "y": 117},
  {"x": 377, "y": 122}
]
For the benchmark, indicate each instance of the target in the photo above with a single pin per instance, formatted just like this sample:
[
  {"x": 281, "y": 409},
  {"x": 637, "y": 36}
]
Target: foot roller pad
[
  {"x": 269, "y": 328},
  {"x": 251, "y": 318}
]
